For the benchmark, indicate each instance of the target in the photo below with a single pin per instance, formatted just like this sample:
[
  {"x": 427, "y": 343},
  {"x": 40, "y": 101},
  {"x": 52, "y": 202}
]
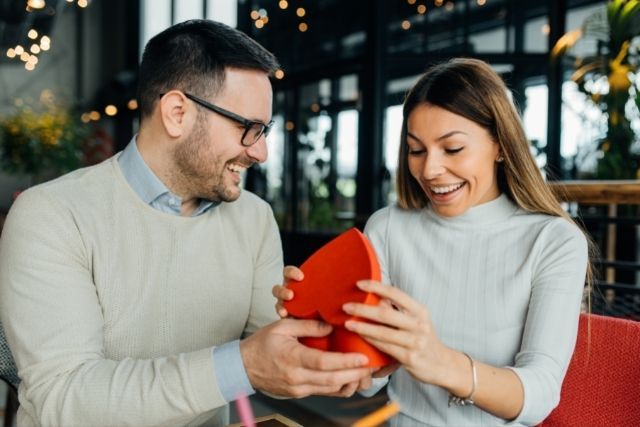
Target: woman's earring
[{"x": 500, "y": 159}]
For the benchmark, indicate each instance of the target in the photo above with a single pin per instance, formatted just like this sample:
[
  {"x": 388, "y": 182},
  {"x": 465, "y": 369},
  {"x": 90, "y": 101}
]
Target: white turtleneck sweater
[
  {"x": 112, "y": 308},
  {"x": 501, "y": 284}
]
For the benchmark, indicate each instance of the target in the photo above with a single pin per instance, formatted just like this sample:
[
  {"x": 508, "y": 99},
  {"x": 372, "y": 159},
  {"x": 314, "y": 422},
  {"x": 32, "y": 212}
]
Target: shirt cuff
[{"x": 230, "y": 372}]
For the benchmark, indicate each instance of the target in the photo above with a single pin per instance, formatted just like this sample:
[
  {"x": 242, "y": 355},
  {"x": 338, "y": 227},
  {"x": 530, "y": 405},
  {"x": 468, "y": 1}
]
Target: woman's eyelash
[{"x": 453, "y": 150}]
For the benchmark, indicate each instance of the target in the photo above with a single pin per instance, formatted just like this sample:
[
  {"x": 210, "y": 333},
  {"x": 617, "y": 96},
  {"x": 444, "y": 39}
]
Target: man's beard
[{"x": 205, "y": 179}]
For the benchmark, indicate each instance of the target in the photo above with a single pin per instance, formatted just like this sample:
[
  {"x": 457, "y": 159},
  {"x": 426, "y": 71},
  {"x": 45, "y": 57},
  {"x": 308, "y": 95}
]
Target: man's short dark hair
[{"x": 192, "y": 57}]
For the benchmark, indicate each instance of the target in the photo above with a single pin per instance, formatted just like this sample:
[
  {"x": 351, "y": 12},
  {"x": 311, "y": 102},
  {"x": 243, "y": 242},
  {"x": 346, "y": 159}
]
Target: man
[{"x": 125, "y": 287}]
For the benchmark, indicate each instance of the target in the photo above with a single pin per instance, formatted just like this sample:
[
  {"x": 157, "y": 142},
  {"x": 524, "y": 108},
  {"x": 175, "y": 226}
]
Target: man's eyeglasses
[{"x": 253, "y": 130}]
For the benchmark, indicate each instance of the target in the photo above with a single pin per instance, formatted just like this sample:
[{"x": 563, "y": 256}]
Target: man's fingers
[
  {"x": 336, "y": 378},
  {"x": 282, "y": 293},
  {"x": 282, "y": 312},
  {"x": 293, "y": 273},
  {"x": 303, "y": 328},
  {"x": 330, "y": 361}
]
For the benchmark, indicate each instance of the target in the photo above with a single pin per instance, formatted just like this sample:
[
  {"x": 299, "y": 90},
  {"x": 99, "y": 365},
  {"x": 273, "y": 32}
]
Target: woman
[{"x": 487, "y": 269}]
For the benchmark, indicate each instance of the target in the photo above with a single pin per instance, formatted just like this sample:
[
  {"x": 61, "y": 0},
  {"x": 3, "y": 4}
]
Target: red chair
[{"x": 602, "y": 382}]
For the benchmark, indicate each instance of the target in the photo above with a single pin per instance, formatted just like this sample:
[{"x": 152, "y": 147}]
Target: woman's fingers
[{"x": 397, "y": 297}]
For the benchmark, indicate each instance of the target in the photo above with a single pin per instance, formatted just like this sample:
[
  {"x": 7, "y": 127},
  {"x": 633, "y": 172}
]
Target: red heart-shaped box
[{"x": 330, "y": 277}]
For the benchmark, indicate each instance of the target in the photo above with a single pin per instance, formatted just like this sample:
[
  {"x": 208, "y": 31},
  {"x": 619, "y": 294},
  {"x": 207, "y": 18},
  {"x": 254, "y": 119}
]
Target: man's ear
[{"x": 177, "y": 113}]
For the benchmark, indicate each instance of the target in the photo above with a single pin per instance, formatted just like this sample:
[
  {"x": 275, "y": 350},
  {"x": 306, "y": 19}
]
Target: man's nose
[{"x": 259, "y": 151}]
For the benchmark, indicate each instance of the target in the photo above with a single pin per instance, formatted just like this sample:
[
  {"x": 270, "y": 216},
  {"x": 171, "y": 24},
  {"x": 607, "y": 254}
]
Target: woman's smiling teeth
[{"x": 442, "y": 189}]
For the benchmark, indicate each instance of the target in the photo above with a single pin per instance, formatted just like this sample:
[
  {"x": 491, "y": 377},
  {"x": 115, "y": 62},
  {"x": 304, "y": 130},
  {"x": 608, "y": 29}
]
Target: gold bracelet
[{"x": 462, "y": 401}]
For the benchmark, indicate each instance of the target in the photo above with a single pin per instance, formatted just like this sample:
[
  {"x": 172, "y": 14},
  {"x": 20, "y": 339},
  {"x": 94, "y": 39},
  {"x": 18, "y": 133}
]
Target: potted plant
[
  {"x": 609, "y": 77},
  {"x": 41, "y": 141}
]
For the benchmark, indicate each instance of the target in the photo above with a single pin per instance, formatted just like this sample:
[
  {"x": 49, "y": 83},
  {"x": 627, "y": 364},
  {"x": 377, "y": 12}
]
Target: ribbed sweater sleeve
[{"x": 112, "y": 309}]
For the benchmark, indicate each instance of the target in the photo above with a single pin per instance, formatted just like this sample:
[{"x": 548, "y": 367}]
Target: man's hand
[
  {"x": 277, "y": 363},
  {"x": 282, "y": 293}
]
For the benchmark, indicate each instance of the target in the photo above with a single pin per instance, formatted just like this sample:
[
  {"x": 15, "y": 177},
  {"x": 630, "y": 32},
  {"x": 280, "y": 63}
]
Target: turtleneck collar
[{"x": 492, "y": 212}]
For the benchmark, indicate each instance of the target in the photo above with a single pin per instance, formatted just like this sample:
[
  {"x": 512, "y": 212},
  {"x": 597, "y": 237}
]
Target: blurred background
[{"x": 68, "y": 78}]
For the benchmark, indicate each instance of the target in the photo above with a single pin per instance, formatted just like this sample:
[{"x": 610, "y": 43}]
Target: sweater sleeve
[
  {"x": 552, "y": 318},
  {"x": 53, "y": 319},
  {"x": 267, "y": 273}
]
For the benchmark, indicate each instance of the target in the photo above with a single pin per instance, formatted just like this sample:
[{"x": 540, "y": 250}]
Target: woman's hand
[
  {"x": 282, "y": 293},
  {"x": 403, "y": 329}
]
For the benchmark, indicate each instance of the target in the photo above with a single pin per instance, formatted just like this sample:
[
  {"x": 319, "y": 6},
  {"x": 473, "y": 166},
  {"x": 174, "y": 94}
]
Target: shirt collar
[
  {"x": 148, "y": 186},
  {"x": 139, "y": 174}
]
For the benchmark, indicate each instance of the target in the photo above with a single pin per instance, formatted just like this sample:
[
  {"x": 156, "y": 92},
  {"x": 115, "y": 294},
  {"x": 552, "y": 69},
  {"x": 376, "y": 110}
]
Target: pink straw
[{"x": 244, "y": 411}]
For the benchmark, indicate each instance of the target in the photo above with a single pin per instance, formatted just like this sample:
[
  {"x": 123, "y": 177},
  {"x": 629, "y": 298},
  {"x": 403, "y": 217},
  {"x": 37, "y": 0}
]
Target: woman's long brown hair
[{"x": 471, "y": 89}]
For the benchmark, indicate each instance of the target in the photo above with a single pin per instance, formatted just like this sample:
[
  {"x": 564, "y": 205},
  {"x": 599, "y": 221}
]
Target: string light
[
  {"x": 259, "y": 23},
  {"x": 283, "y": 4},
  {"x": 94, "y": 115},
  {"x": 301, "y": 12},
  {"x": 110, "y": 110},
  {"x": 11, "y": 53},
  {"x": 254, "y": 15},
  {"x": 405, "y": 25},
  {"x": 289, "y": 126},
  {"x": 32, "y": 34},
  {"x": 279, "y": 74},
  {"x": 83, "y": 3},
  {"x": 35, "y": 4},
  {"x": 303, "y": 27},
  {"x": 449, "y": 6},
  {"x": 482, "y": 2},
  {"x": 132, "y": 104},
  {"x": 35, "y": 49},
  {"x": 422, "y": 9}
]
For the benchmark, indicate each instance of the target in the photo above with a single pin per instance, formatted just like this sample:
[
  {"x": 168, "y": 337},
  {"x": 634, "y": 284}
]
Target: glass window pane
[
  {"x": 156, "y": 16},
  {"x": 225, "y": 11},
  {"x": 583, "y": 124},
  {"x": 392, "y": 128},
  {"x": 536, "y": 35},
  {"x": 534, "y": 120},
  {"x": 274, "y": 169},
  {"x": 489, "y": 41},
  {"x": 347, "y": 151},
  {"x": 187, "y": 9}
]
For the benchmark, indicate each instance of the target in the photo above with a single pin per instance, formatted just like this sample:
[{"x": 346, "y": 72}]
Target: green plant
[
  {"x": 46, "y": 140},
  {"x": 607, "y": 77}
]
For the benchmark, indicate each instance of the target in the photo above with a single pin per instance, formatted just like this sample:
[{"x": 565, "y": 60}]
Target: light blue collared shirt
[{"x": 227, "y": 360}]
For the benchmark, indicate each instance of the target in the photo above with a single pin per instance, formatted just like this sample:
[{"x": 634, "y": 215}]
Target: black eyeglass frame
[{"x": 248, "y": 124}]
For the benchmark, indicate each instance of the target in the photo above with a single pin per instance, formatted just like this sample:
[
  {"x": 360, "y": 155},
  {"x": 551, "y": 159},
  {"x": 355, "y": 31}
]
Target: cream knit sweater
[{"x": 112, "y": 308}]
